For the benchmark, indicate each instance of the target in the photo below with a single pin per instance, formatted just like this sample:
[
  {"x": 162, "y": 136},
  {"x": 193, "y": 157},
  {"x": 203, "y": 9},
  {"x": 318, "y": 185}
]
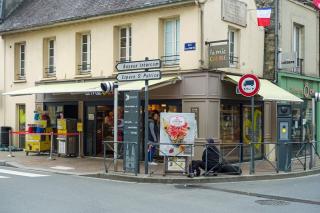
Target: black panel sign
[{"x": 131, "y": 130}]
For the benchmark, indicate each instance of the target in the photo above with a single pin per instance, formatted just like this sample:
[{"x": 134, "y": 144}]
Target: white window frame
[
  {"x": 88, "y": 61},
  {"x": 233, "y": 37},
  {"x": 22, "y": 62},
  {"x": 297, "y": 43},
  {"x": 51, "y": 67},
  {"x": 128, "y": 44},
  {"x": 175, "y": 36}
]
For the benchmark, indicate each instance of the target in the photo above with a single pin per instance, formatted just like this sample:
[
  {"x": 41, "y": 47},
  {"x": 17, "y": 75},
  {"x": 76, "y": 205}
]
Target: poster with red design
[{"x": 177, "y": 134}]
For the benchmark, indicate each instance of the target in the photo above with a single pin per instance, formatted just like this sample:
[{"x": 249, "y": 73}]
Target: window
[
  {"x": 20, "y": 54},
  {"x": 125, "y": 44},
  {"x": 171, "y": 42},
  {"x": 298, "y": 46},
  {"x": 85, "y": 66},
  {"x": 233, "y": 47},
  {"x": 49, "y": 57}
]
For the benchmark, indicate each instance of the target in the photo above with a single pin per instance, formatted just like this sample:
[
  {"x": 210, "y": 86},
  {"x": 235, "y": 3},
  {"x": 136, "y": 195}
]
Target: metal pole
[
  {"x": 115, "y": 127},
  {"x": 79, "y": 154},
  {"x": 252, "y": 136},
  {"x": 146, "y": 126},
  {"x": 51, "y": 146},
  {"x": 313, "y": 133},
  {"x": 10, "y": 144}
]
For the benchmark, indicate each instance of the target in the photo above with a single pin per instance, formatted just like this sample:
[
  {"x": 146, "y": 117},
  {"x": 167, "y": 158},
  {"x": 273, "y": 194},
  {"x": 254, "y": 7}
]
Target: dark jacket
[{"x": 212, "y": 158}]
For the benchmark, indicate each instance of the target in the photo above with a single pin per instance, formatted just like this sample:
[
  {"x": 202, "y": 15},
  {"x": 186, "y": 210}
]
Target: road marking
[
  {"x": 2, "y": 177},
  {"x": 62, "y": 168},
  {"x": 25, "y": 174}
]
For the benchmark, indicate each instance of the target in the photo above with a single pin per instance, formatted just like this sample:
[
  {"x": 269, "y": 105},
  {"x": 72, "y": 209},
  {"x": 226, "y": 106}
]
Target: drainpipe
[
  {"x": 200, "y": 4},
  {"x": 276, "y": 40}
]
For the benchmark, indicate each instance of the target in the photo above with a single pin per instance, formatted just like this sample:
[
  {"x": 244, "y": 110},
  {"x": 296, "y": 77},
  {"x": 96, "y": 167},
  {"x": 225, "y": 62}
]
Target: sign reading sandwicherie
[
  {"x": 139, "y": 65},
  {"x": 139, "y": 76}
]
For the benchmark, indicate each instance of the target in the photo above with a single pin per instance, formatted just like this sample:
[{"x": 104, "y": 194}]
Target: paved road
[{"x": 32, "y": 192}]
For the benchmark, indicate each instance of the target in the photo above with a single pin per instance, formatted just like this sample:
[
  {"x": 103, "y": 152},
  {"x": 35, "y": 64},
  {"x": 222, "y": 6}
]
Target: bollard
[
  {"x": 10, "y": 144},
  {"x": 51, "y": 147}
]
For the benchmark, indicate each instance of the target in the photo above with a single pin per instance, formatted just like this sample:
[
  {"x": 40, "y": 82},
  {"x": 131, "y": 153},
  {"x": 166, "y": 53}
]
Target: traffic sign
[
  {"x": 139, "y": 76},
  {"x": 139, "y": 65},
  {"x": 249, "y": 85}
]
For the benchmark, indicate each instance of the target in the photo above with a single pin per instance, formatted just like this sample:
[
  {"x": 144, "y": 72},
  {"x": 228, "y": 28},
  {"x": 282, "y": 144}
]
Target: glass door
[{"x": 90, "y": 131}]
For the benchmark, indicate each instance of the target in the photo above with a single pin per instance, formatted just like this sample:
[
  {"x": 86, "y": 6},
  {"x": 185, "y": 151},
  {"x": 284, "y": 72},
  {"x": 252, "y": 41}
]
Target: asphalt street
[{"x": 26, "y": 191}]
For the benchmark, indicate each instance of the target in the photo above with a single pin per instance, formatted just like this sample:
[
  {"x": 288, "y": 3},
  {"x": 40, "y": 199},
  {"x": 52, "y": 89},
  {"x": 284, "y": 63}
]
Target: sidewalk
[{"x": 94, "y": 167}]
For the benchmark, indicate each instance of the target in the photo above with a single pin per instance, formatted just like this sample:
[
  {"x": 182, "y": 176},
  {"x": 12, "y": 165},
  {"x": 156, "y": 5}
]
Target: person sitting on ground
[{"x": 211, "y": 157}]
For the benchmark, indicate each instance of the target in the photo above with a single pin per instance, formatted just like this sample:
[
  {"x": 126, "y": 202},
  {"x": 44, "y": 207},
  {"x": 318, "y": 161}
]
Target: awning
[
  {"x": 59, "y": 88},
  {"x": 89, "y": 87},
  {"x": 153, "y": 84},
  {"x": 269, "y": 91}
]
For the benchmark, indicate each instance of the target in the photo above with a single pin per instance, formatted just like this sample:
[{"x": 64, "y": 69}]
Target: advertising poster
[{"x": 177, "y": 129}]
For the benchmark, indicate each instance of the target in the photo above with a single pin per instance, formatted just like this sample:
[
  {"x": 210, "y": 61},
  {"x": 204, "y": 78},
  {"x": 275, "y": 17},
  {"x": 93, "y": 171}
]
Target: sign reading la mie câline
[
  {"x": 139, "y": 65},
  {"x": 139, "y": 76}
]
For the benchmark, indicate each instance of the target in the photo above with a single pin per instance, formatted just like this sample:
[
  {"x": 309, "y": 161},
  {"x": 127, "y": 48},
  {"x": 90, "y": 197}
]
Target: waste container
[{"x": 4, "y": 136}]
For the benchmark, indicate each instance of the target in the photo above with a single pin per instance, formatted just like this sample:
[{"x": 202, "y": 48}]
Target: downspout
[
  {"x": 4, "y": 79},
  {"x": 200, "y": 4},
  {"x": 276, "y": 40}
]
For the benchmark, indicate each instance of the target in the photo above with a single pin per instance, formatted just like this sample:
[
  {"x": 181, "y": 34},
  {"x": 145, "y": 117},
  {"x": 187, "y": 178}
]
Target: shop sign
[
  {"x": 79, "y": 127},
  {"x": 219, "y": 56},
  {"x": 139, "y": 76},
  {"x": 234, "y": 11},
  {"x": 306, "y": 91},
  {"x": 177, "y": 129},
  {"x": 288, "y": 61},
  {"x": 131, "y": 130},
  {"x": 190, "y": 46},
  {"x": 249, "y": 85},
  {"x": 139, "y": 65}
]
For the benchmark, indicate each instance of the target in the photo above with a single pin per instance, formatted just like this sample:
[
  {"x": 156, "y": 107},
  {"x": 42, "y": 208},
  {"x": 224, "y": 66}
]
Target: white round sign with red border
[{"x": 249, "y": 85}]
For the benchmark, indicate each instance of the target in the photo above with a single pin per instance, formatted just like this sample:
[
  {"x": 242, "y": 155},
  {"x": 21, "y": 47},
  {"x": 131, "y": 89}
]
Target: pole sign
[
  {"x": 139, "y": 76},
  {"x": 131, "y": 130},
  {"x": 138, "y": 65},
  {"x": 249, "y": 85}
]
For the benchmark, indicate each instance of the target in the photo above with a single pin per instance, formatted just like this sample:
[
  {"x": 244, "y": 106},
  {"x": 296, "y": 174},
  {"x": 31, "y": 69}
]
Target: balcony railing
[
  {"x": 20, "y": 77},
  {"x": 50, "y": 72},
  {"x": 300, "y": 66},
  {"x": 84, "y": 69},
  {"x": 233, "y": 60},
  {"x": 170, "y": 60}
]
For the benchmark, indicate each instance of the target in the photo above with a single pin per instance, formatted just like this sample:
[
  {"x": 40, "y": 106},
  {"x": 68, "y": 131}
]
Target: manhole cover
[
  {"x": 272, "y": 202},
  {"x": 188, "y": 186}
]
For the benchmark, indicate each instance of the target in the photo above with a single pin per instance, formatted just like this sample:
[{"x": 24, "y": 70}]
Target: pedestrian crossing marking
[
  {"x": 2, "y": 177},
  {"x": 25, "y": 174}
]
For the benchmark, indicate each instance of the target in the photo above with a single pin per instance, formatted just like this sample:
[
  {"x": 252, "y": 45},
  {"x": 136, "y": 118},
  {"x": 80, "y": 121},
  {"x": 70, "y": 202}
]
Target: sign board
[
  {"x": 249, "y": 85},
  {"x": 131, "y": 130},
  {"x": 139, "y": 76},
  {"x": 177, "y": 129},
  {"x": 287, "y": 61},
  {"x": 234, "y": 11},
  {"x": 79, "y": 127},
  {"x": 190, "y": 46},
  {"x": 176, "y": 164},
  {"x": 138, "y": 65},
  {"x": 219, "y": 56}
]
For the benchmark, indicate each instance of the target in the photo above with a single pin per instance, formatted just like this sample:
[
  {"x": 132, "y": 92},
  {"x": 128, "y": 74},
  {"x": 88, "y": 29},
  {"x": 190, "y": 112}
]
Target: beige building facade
[{"x": 76, "y": 52}]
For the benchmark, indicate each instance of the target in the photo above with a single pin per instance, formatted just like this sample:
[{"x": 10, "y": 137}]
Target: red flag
[{"x": 316, "y": 3}]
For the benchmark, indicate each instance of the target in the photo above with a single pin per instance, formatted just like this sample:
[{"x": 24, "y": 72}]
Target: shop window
[
  {"x": 20, "y": 55},
  {"x": 171, "y": 42},
  {"x": 233, "y": 47},
  {"x": 84, "y": 53},
  {"x": 298, "y": 46},
  {"x": 49, "y": 57},
  {"x": 21, "y": 113},
  {"x": 125, "y": 43}
]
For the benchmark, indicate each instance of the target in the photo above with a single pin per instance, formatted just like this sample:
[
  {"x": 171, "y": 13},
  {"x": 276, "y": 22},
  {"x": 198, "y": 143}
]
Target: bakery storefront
[{"x": 303, "y": 87}]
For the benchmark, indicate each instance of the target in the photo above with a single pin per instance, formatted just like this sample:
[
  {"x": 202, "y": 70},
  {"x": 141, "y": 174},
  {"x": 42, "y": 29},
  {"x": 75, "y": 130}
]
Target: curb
[{"x": 200, "y": 180}]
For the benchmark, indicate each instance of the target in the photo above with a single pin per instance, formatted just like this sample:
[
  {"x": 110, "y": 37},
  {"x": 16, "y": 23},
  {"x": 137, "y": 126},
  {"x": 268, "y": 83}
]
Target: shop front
[{"x": 303, "y": 87}]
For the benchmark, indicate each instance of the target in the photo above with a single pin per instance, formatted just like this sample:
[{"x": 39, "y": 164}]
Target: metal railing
[
  {"x": 170, "y": 60},
  {"x": 50, "y": 71},
  {"x": 84, "y": 69}
]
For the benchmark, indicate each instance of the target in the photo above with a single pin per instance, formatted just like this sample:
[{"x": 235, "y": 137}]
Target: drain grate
[{"x": 272, "y": 202}]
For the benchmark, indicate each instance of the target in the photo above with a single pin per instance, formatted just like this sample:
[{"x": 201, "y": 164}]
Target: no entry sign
[{"x": 249, "y": 85}]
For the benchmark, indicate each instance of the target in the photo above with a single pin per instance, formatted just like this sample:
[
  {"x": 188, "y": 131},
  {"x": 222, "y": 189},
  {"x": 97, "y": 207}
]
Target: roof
[{"x": 39, "y": 13}]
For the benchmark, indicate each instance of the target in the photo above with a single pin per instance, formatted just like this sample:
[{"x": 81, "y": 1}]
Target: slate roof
[{"x": 36, "y": 13}]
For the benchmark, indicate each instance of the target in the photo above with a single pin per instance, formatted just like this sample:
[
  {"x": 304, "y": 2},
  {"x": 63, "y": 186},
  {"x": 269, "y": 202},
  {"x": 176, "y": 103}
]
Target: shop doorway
[
  {"x": 236, "y": 129},
  {"x": 99, "y": 127},
  {"x": 21, "y": 114}
]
